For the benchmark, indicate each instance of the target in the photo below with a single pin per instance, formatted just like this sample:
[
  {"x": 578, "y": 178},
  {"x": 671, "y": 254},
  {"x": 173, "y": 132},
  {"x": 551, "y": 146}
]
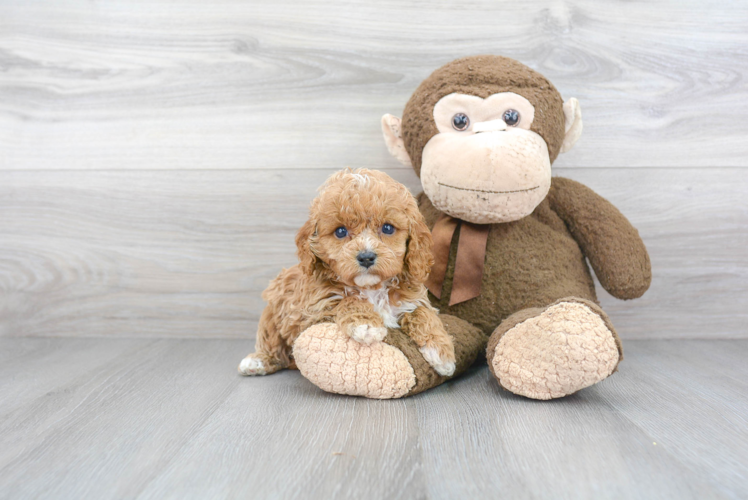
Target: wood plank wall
[{"x": 156, "y": 158}]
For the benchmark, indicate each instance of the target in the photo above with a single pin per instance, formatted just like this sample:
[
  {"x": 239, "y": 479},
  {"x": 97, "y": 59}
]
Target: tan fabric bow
[{"x": 471, "y": 254}]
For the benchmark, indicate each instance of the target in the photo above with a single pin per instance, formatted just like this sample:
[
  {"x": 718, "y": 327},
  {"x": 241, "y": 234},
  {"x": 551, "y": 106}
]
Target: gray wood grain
[
  {"x": 172, "y": 419},
  {"x": 225, "y": 84},
  {"x": 665, "y": 370},
  {"x": 106, "y": 432},
  {"x": 56, "y": 364},
  {"x": 187, "y": 254}
]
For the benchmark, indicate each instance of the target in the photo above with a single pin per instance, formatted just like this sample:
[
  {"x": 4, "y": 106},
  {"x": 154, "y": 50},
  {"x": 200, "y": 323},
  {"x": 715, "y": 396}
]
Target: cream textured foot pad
[
  {"x": 564, "y": 349},
  {"x": 334, "y": 362}
]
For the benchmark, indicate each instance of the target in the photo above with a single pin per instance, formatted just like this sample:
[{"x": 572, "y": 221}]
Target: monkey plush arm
[{"x": 606, "y": 237}]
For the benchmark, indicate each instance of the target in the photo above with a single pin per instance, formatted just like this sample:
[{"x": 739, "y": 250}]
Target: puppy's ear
[
  {"x": 419, "y": 256},
  {"x": 307, "y": 258}
]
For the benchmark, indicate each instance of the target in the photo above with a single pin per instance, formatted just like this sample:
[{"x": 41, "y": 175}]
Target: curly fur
[{"x": 329, "y": 284}]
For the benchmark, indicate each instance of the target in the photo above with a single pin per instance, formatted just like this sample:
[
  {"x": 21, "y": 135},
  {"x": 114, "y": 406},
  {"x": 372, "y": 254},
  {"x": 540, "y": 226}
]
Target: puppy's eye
[
  {"x": 388, "y": 229},
  {"x": 341, "y": 232},
  {"x": 460, "y": 121},
  {"x": 511, "y": 117}
]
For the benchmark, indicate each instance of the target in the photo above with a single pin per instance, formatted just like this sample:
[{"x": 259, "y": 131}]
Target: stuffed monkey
[{"x": 511, "y": 243}]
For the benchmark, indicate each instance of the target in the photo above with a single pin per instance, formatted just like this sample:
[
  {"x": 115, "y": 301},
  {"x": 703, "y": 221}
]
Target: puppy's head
[{"x": 365, "y": 228}]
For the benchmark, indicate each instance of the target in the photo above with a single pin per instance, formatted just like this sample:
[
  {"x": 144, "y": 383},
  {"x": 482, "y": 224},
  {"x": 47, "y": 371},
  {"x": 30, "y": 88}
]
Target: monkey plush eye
[
  {"x": 511, "y": 117},
  {"x": 388, "y": 229},
  {"x": 460, "y": 121},
  {"x": 341, "y": 232}
]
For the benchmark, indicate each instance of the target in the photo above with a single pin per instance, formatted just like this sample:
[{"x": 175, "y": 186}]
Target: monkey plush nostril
[
  {"x": 489, "y": 126},
  {"x": 366, "y": 258}
]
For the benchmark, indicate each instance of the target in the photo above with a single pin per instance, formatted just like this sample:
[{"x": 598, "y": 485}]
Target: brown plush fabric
[
  {"x": 469, "y": 343},
  {"x": 610, "y": 242},
  {"x": 535, "y": 261},
  {"x": 531, "y": 262},
  {"x": 525, "y": 314},
  {"x": 482, "y": 76}
]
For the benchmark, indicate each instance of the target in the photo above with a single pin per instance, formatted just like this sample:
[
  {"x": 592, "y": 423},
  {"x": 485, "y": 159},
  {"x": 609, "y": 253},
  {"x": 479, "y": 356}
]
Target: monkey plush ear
[
  {"x": 573, "y": 123},
  {"x": 394, "y": 139}
]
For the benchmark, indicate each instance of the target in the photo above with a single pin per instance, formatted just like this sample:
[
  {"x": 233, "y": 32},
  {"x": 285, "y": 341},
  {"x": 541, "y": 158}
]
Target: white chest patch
[{"x": 389, "y": 313}]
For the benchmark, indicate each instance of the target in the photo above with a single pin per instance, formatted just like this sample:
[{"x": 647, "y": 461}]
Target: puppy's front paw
[
  {"x": 252, "y": 365},
  {"x": 367, "y": 334},
  {"x": 444, "y": 364}
]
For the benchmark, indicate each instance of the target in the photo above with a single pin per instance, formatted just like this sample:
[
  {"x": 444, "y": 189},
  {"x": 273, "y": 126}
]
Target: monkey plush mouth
[{"x": 486, "y": 191}]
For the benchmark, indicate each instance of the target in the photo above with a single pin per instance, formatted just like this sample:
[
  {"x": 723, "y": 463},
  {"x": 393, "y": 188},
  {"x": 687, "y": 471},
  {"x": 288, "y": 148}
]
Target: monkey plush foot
[
  {"x": 393, "y": 368},
  {"x": 552, "y": 352}
]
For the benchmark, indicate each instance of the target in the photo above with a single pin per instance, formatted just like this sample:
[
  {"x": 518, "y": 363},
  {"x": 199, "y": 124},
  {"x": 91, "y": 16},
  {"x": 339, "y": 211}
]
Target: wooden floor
[{"x": 137, "y": 418}]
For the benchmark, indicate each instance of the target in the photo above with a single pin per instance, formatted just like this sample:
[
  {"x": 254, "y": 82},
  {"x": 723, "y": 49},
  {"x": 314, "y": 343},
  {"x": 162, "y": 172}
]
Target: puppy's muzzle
[{"x": 366, "y": 258}]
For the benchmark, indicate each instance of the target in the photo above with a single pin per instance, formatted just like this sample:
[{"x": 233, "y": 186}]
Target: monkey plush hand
[{"x": 511, "y": 243}]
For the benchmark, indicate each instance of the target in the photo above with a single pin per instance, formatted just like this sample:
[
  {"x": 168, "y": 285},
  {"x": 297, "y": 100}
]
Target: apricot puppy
[{"x": 364, "y": 255}]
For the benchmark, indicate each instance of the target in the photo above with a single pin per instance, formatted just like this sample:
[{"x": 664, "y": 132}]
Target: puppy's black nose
[{"x": 366, "y": 258}]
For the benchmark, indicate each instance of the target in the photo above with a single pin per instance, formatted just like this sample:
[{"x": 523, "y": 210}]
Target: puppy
[{"x": 364, "y": 254}]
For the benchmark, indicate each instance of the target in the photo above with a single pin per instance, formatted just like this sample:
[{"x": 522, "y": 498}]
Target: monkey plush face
[
  {"x": 503, "y": 170},
  {"x": 482, "y": 133}
]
